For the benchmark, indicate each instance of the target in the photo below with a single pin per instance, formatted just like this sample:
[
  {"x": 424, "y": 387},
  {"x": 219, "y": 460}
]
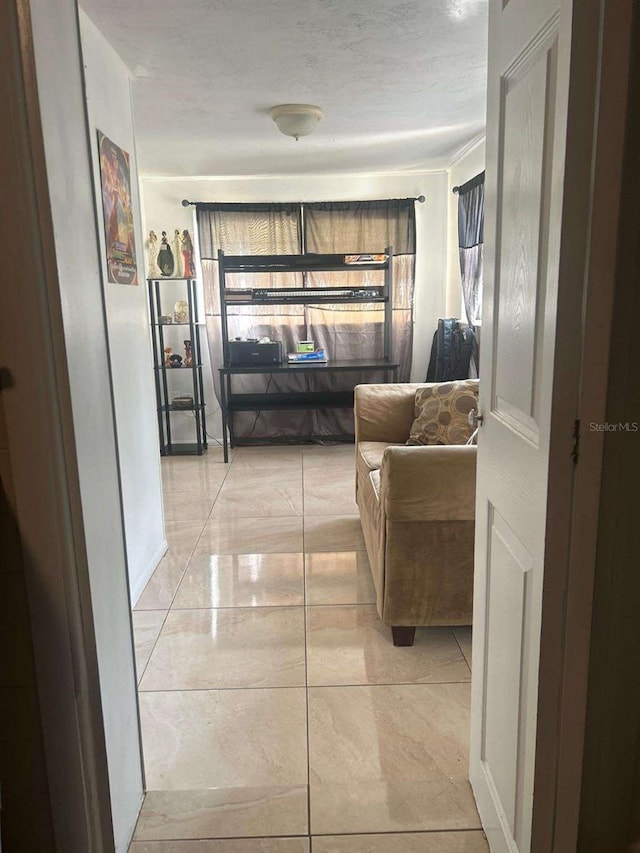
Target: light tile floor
[{"x": 277, "y": 716}]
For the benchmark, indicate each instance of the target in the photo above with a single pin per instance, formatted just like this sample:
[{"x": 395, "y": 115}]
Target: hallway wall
[
  {"x": 110, "y": 111},
  {"x": 100, "y": 535}
]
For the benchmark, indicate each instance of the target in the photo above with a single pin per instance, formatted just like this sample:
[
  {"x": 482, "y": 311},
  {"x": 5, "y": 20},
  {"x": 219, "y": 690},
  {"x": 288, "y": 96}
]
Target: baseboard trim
[{"x": 152, "y": 565}]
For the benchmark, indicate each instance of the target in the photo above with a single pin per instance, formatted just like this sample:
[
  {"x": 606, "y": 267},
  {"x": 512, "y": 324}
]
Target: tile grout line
[
  {"x": 455, "y": 637},
  {"x": 367, "y": 684},
  {"x": 306, "y": 663}
]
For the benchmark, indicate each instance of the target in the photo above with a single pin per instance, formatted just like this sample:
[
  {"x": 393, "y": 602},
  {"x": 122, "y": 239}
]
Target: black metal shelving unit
[
  {"x": 163, "y": 385},
  {"x": 231, "y": 402}
]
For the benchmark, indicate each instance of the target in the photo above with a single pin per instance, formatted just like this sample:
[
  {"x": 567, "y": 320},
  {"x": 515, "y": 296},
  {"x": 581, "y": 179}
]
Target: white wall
[
  {"x": 461, "y": 171},
  {"x": 162, "y": 210},
  {"x": 69, "y": 174},
  {"x": 110, "y": 110}
]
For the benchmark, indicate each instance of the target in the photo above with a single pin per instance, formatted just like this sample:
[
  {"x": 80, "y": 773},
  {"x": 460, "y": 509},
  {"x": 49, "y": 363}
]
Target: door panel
[
  {"x": 508, "y": 567},
  {"x": 520, "y": 314},
  {"x": 524, "y": 177}
]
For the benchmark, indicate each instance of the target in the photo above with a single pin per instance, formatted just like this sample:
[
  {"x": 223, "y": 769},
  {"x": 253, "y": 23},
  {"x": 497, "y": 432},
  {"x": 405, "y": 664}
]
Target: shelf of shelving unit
[
  {"x": 168, "y": 447},
  {"x": 232, "y": 298}
]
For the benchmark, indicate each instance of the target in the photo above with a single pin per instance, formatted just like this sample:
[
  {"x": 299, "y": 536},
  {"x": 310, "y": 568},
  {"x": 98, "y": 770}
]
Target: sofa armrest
[
  {"x": 434, "y": 483},
  {"x": 385, "y": 412}
]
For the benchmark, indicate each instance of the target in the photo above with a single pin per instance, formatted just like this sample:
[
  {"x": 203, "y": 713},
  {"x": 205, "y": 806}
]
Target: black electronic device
[
  {"x": 249, "y": 353},
  {"x": 309, "y": 294}
]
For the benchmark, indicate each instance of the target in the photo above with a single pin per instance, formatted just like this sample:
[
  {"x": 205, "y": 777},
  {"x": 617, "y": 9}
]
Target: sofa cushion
[
  {"x": 442, "y": 413},
  {"x": 373, "y": 451}
]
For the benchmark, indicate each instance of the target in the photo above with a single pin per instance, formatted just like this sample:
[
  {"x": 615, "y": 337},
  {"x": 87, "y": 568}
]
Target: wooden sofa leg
[{"x": 403, "y": 635}]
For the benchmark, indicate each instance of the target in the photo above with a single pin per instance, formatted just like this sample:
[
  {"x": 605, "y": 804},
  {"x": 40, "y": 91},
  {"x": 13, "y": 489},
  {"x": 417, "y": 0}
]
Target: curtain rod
[
  {"x": 470, "y": 184},
  {"x": 187, "y": 203}
]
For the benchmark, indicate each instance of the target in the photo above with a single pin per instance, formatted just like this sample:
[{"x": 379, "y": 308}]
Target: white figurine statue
[
  {"x": 176, "y": 245},
  {"x": 154, "y": 271}
]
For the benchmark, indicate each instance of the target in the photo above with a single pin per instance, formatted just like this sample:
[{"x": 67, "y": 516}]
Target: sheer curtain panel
[
  {"x": 470, "y": 242},
  {"x": 345, "y": 331}
]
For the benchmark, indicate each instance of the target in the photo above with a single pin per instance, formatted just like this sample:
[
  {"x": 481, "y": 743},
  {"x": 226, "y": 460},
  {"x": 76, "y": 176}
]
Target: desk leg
[
  {"x": 223, "y": 413},
  {"x": 230, "y": 414}
]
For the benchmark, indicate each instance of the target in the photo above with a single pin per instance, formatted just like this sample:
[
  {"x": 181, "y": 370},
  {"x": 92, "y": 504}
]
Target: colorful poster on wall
[{"x": 119, "y": 234}]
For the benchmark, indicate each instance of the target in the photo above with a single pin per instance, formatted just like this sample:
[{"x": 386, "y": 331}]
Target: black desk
[{"x": 230, "y": 402}]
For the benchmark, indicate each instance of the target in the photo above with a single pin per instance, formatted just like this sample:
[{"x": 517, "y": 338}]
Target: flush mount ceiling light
[{"x": 296, "y": 119}]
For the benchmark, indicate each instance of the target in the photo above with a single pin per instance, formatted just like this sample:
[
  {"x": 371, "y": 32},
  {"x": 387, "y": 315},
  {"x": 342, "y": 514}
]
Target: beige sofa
[{"x": 417, "y": 508}]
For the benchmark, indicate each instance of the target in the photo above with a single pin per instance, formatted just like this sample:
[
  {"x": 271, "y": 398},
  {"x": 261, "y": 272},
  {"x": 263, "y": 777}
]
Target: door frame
[
  {"x": 594, "y": 184},
  {"x": 40, "y": 432}
]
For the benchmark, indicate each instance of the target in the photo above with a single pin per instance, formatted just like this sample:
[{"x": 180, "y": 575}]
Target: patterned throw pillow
[{"x": 442, "y": 413}]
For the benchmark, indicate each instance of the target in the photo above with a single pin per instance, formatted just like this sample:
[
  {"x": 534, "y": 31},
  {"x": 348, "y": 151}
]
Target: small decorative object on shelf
[
  {"x": 153, "y": 255},
  {"x": 182, "y": 402},
  {"x": 179, "y": 386},
  {"x": 165, "y": 257},
  {"x": 366, "y": 258},
  {"x": 181, "y": 312},
  {"x": 178, "y": 271},
  {"x": 187, "y": 255}
]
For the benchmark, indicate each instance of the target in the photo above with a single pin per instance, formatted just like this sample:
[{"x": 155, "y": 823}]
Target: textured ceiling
[{"x": 402, "y": 82}]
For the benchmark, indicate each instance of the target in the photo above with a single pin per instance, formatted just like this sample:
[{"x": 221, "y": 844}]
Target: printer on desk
[{"x": 254, "y": 353}]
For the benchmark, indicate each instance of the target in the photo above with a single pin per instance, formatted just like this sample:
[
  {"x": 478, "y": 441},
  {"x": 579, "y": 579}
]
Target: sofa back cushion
[{"x": 442, "y": 413}]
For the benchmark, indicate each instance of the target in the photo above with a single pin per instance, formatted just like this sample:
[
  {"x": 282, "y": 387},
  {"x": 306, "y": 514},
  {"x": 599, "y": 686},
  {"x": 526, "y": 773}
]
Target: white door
[{"x": 526, "y": 135}]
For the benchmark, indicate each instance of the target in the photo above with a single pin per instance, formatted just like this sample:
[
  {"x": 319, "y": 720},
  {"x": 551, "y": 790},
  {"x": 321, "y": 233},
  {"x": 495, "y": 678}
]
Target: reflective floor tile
[
  {"x": 408, "y": 842},
  {"x": 439, "y": 803},
  {"x": 183, "y": 535},
  {"x": 242, "y": 580},
  {"x": 267, "y": 457},
  {"x": 259, "y": 496},
  {"x": 342, "y": 577},
  {"x": 331, "y": 454},
  {"x": 187, "y": 475},
  {"x": 233, "y": 647},
  {"x": 146, "y": 628},
  {"x": 163, "y": 583},
  {"x": 242, "y": 535},
  {"x": 333, "y": 533},
  {"x": 185, "y": 506},
  {"x": 350, "y": 645},
  {"x": 328, "y": 491},
  {"x": 224, "y": 738},
  {"x": 390, "y": 758},
  {"x": 223, "y": 813},
  {"x": 243, "y": 845}
]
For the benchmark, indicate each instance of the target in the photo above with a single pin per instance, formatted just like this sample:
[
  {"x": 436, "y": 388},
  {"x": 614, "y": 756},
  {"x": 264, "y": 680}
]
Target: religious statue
[
  {"x": 188, "y": 354},
  {"x": 187, "y": 255},
  {"x": 154, "y": 272},
  {"x": 165, "y": 257},
  {"x": 177, "y": 254}
]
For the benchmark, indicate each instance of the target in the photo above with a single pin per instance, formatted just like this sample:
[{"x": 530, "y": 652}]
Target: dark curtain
[
  {"x": 356, "y": 331},
  {"x": 254, "y": 229},
  {"x": 345, "y": 331},
  {"x": 470, "y": 241}
]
